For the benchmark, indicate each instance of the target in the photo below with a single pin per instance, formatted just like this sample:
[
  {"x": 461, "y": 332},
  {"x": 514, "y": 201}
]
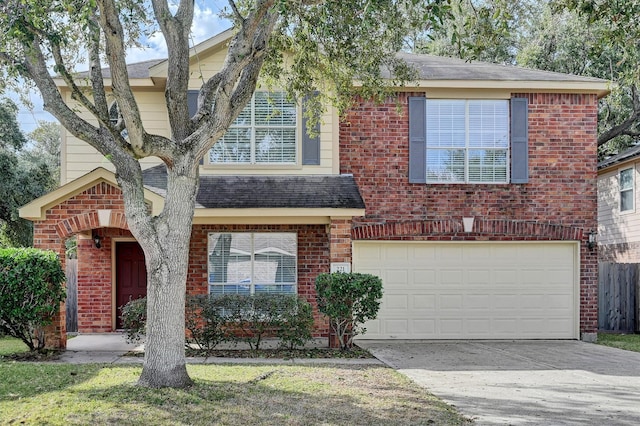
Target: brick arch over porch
[
  {"x": 99, "y": 206},
  {"x": 104, "y": 218},
  {"x": 452, "y": 229}
]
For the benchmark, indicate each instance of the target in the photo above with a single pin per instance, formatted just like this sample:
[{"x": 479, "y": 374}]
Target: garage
[{"x": 473, "y": 290}]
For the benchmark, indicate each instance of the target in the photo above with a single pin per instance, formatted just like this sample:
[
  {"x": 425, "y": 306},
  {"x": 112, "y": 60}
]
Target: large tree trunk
[{"x": 166, "y": 249}]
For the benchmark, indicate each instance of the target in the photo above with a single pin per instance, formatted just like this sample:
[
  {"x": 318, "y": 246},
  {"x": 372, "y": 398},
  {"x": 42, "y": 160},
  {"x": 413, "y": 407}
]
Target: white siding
[
  {"x": 615, "y": 227},
  {"x": 79, "y": 158}
]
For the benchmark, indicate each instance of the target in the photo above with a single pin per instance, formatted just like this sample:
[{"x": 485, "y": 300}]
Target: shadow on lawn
[{"x": 245, "y": 395}]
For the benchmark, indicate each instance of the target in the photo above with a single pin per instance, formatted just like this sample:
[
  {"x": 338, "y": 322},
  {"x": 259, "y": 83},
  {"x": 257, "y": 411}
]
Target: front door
[{"x": 131, "y": 275}]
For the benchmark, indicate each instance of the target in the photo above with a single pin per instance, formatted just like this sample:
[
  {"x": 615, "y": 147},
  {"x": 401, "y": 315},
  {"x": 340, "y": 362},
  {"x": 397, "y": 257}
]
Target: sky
[{"x": 206, "y": 23}]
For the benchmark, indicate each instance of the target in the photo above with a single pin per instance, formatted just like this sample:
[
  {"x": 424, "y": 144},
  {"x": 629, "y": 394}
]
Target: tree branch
[
  {"x": 626, "y": 128},
  {"x": 176, "y": 33},
  {"x": 116, "y": 54}
]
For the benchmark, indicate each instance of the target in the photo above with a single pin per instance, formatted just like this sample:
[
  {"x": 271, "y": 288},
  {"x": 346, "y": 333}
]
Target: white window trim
[
  {"x": 467, "y": 147},
  {"x": 252, "y": 284},
  {"x": 252, "y": 163},
  {"x": 632, "y": 190}
]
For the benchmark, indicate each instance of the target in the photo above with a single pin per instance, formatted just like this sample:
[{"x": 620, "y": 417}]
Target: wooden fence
[
  {"x": 72, "y": 295},
  {"x": 618, "y": 297}
]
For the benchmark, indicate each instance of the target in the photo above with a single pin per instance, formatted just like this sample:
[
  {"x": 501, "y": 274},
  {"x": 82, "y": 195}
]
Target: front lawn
[
  {"x": 10, "y": 346},
  {"x": 57, "y": 394},
  {"x": 629, "y": 342}
]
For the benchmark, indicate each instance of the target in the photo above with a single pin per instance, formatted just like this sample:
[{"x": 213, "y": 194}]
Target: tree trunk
[{"x": 167, "y": 257}]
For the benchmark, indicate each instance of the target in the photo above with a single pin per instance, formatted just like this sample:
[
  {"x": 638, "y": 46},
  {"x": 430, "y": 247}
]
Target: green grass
[
  {"x": 64, "y": 394},
  {"x": 629, "y": 342},
  {"x": 10, "y": 346}
]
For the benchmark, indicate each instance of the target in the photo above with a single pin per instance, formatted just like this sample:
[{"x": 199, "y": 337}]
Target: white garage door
[{"x": 472, "y": 290}]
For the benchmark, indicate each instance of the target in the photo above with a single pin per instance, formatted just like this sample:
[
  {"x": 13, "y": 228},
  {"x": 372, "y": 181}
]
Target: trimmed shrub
[
  {"x": 234, "y": 318},
  {"x": 296, "y": 323},
  {"x": 134, "y": 318},
  {"x": 349, "y": 300},
  {"x": 205, "y": 322},
  {"x": 31, "y": 290}
]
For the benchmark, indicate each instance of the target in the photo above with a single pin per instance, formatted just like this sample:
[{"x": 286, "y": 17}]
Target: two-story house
[
  {"x": 618, "y": 221},
  {"x": 471, "y": 193}
]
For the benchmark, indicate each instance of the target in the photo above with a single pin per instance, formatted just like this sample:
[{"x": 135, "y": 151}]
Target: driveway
[{"x": 523, "y": 382}]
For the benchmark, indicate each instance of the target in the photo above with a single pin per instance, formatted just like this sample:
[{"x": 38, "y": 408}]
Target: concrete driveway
[{"x": 523, "y": 382}]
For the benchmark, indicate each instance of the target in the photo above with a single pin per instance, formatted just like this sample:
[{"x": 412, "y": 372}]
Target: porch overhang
[{"x": 36, "y": 210}]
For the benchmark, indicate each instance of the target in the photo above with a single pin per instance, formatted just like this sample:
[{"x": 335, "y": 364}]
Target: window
[
  {"x": 265, "y": 132},
  {"x": 248, "y": 263},
  {"x": 467, "y": 141},
  {"x": 626, "y": 190}
]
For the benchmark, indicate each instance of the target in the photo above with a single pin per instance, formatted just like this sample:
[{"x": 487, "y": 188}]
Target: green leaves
[
  {"x": 349, "y": 300},
  {"x": 31, "y": 290}
]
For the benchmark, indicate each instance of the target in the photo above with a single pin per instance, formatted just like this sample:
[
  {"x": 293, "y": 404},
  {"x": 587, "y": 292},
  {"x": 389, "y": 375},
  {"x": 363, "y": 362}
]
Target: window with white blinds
[
  {"x": 467, "y": 141},
  {"x": 263, "y": 133},
  {"x": 252, "y": 262}
]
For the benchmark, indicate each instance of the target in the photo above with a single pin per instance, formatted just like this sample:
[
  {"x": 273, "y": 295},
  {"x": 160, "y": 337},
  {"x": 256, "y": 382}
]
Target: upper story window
[
  {"x": 252, "y": 262},
  {"x": 467, "y": 141},
  {"x": 265, "y": 132},
  {"x": 626, "y": 190}
]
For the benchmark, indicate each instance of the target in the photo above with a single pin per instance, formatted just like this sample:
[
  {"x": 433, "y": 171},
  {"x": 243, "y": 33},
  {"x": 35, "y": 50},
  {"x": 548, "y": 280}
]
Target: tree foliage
[
  {"x": 24, "y": 177},
  {"x": 31, "y": 290},
  {"x": 582, "y": 37},
  {"x": 327, "y": 45}
]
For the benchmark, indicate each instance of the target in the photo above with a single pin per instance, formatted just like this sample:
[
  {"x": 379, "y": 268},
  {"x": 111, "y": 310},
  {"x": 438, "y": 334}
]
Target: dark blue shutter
[
  {"x": 192, "y": 102},
  {"x": 417, "y": 140},
  {"x": 310, "y": 145},
  {"x": 519, "y": 140}
]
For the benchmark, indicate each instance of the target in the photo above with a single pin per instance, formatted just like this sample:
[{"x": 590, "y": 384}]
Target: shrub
[
  {"x": 296, "y": 323},
  {"x": 254, "y": 316},
  {"x": 31, "y": 290},
  {"x": 205, "y": 322},
  {"x": 349, "y": 300},
  {"x": 134, "y": 318},
  {"x": 212, "y": 320}
]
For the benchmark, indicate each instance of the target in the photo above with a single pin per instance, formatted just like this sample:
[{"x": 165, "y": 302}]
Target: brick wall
[
  {"x": 313, "y": 259},
  {"x": 561, "y": 191}
]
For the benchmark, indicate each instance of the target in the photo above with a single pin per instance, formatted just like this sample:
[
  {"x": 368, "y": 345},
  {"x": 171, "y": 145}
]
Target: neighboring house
[
  {"x": 470, "y": 193},
  {"x": 618, "y": 218}
]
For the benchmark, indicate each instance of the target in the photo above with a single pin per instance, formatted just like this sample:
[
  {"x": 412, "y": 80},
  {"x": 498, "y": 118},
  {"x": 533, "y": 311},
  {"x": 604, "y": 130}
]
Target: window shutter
[
  {"x": 310, "y": 146},
  {"x": 192, "y": 102},
  {"x": 519, "y": 141},
  {"x": 417, "y": 140}
]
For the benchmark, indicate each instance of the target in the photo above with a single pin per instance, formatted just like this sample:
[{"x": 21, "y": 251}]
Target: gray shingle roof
[
  {"x": 432, "y": 67},
  {"x": 429, "y": 67},
  {"x": 219, "y": 192},
  {"x": 632, "y": 152},
  {"x": 134, "y": 70}
]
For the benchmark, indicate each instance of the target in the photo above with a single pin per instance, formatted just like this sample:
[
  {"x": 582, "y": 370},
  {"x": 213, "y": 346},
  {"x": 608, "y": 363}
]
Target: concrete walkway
[
  {"x": 112, "y": 348},
  {"x": 523, "y": 382}
]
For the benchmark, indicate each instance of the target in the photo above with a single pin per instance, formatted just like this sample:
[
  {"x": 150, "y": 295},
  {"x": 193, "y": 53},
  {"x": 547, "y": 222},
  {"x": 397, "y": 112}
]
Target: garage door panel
[{"x": 467, "y": 290}]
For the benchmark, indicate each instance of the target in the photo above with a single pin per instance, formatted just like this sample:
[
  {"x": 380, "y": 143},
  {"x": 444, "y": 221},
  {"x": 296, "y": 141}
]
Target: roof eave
[{"x": 273, "y": 216}]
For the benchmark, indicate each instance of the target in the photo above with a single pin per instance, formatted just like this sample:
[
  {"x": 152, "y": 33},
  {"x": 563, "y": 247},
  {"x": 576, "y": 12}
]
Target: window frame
[
  {"x": 253, "y": 282},
  {"x": 468, "y": 145},
  {"x": 632, "y": 189},
  {"x": 253, "y": 143}
]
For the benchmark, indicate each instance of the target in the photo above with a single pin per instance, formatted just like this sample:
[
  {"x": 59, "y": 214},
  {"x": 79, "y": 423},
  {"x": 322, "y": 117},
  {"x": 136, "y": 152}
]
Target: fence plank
[
  {"x": 618, "y": 297},
  {"x": 72, "y": 295}
]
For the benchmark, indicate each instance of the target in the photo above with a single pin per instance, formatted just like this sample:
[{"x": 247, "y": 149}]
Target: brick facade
[
  {"x": 558, "y": 203},
  {"x": 79, "y": 215}
]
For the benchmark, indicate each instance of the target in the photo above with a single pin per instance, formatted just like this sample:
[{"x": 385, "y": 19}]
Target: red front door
[{"x": 131, "y": 275}]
